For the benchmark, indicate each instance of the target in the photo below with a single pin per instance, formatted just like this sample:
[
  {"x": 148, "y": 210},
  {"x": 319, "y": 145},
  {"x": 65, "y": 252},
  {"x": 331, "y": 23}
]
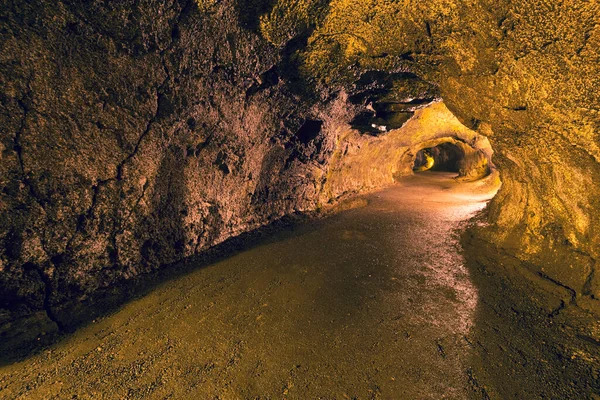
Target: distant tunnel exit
[{"x": 452, "y": 156}]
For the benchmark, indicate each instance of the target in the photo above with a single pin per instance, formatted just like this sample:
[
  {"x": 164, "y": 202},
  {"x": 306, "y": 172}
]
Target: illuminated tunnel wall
[{"x": 453, "y": 156}]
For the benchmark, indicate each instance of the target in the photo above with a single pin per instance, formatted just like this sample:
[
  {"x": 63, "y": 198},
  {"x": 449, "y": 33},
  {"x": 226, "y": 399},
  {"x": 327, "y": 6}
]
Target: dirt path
[{"x": 372, "y": 303}]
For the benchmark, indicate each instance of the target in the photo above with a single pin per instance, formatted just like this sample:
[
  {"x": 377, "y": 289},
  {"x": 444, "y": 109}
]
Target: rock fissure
[
  {"x": 558, "y": 310},
  {"x": 47, "y": 282},
  {"x": 130, "y": 156},
  {"x": 572, "y": 292},
  {"x": 587, "y": 286}
]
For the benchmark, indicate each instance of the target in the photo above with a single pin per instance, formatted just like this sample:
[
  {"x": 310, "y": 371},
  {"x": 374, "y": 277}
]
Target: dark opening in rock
[
  {"x": 165, "y": 106},
  {"x": 309, "y": 130},
  {"x": 453, "y": 156},
  {"x": 444, "y": 157}
]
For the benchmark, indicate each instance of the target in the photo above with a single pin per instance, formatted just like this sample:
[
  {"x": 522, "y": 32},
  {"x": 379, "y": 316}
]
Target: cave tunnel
[
  {"x": 245, "y": 199},
  {"x": 453, "y": 156}
]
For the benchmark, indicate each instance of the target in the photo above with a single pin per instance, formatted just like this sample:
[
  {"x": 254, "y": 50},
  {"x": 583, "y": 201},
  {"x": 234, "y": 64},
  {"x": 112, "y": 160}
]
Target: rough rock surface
[
  {"x": 362, "y": 163},
  {"x": 137, "y": 133},
  {"x": 524, "y": 74}
]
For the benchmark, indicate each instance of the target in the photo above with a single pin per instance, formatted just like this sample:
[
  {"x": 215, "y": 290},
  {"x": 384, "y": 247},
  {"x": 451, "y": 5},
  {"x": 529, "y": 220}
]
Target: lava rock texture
[{"x": 138, "y": 133}]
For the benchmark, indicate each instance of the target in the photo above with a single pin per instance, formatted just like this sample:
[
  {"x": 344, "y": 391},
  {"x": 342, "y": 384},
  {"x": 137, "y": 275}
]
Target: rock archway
[
  {"x": 454, "y": 156},
  {"x": 365, "y": 162}
]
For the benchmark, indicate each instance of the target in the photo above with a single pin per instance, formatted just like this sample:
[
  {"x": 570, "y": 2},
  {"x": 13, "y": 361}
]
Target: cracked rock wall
[{"x": 135, "y": 134}]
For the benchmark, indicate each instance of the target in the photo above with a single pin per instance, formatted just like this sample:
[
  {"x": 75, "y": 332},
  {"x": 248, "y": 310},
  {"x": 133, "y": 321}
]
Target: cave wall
[
  {"x": 140, "y": 133},
  {"x": 362, "y": 162},
  {"x": 535, "y": 91},
  {"x": 135, "y": 134}
]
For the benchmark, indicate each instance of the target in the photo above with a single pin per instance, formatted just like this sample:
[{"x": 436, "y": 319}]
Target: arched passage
[
  {"x": 453, "y": 156},
  {"x": 363, "y": 162}
]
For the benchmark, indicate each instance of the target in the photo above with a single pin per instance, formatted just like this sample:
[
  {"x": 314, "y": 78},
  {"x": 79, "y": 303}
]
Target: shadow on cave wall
[
  {"x": 251, "y": 10},
  {"x": 107, "y": 300}
]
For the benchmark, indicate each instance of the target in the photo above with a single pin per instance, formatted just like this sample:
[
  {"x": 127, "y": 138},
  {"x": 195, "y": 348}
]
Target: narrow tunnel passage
[
  {"x": 453, "y": 156},
  {"x": 375, "y": 301}
]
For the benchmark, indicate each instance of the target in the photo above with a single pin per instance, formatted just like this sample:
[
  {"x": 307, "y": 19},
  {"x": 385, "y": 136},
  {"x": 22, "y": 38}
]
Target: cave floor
[{"x": 374, "y": 302}]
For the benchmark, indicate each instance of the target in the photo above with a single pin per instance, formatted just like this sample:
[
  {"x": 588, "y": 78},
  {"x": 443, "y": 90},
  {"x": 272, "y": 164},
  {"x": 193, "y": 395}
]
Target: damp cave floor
[{"x": 373, "y": 302}]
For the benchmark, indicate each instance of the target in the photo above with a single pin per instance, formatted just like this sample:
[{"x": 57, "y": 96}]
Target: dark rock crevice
[{"x": 48, "y": 294}]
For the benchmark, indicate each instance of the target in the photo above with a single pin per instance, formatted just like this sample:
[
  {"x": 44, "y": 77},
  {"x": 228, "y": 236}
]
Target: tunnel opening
[{"x": 453, "y": 156}]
